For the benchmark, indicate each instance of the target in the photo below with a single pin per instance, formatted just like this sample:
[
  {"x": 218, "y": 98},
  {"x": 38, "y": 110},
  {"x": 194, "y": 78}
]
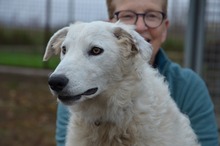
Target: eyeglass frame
[{"x": 141, "y": 14}]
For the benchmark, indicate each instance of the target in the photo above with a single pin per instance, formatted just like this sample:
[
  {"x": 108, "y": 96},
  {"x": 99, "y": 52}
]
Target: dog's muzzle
[{"x": 58, "y": 82}]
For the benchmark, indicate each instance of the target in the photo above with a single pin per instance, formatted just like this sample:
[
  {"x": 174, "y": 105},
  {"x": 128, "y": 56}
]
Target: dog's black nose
[{"x": 58, "y": 82}]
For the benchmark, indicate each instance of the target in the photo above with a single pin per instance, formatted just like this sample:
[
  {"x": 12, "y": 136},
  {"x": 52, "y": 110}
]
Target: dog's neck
[{"x": 108, "y": 107}]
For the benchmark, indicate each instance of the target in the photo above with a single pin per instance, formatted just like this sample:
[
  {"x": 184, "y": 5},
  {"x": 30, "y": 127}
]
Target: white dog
[{"x": 116, "y": 98}]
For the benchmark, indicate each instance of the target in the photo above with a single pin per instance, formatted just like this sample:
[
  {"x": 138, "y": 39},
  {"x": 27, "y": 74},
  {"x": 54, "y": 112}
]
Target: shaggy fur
[{"x": 132, "y": 104}]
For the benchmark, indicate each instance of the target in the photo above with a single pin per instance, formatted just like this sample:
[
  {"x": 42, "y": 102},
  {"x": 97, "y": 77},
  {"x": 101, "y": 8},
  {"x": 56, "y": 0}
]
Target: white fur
[{"x": 132, "y": 106}]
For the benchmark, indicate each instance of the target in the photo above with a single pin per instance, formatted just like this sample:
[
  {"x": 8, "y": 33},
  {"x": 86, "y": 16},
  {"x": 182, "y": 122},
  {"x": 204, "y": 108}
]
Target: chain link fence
[{"x": 211, "y": 64}]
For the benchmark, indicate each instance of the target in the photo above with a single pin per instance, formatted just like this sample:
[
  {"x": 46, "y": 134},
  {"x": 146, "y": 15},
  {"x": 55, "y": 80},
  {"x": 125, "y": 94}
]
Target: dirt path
[
  {"x": 27, "y": 109},
  {"x": 24, "y": 71}
]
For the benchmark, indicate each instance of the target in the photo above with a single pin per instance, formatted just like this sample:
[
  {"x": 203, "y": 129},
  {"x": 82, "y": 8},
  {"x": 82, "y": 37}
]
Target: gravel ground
[{"x": 27, "y": 110}]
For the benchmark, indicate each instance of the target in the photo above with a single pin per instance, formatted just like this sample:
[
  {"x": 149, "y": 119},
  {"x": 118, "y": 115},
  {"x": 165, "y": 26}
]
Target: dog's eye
[
  {"x": 95, "y": 51},
  {"x": 63, "y": 50}
]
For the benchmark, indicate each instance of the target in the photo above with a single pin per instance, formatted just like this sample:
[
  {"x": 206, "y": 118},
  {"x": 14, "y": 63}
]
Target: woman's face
[{"x": 155, "y": 36}]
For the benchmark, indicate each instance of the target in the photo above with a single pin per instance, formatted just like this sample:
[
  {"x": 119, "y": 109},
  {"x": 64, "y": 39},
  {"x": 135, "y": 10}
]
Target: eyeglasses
[{"x": 152, "y": 19}]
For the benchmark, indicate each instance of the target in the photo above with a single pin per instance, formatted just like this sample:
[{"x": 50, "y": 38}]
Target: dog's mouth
[{"x": 73, "y": 98}]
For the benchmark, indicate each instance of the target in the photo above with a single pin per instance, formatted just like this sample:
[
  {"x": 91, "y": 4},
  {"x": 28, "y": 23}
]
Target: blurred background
[{"x": 28, "y": 110}]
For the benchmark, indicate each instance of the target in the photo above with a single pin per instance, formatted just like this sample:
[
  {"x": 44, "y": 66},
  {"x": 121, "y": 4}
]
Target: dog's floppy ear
[
  {"x": 138, "y": 42},
  {"x": 126, "y": 39},
  {"x": 142, "y": 45},
  {"x": 53, "y": 46}
]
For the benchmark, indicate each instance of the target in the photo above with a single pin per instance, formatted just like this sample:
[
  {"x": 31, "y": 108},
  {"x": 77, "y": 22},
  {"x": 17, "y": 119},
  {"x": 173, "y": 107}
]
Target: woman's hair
[{"x": 111, "y": 8}]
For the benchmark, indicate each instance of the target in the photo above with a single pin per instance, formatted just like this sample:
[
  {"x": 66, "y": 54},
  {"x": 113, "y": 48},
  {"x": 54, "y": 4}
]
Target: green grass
[
  {"x": 22, "y": 36},
  {"x": 23, "y": 48},
  {"x": 20, "y": 59}
]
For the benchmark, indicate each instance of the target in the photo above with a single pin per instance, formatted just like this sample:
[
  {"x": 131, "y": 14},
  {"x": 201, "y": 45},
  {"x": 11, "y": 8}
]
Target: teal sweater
[{"x": 188, "y": 91}]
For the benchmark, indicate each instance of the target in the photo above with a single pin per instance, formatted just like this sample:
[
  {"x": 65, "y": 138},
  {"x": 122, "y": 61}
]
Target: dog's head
[{"x": 95, "y": 57}]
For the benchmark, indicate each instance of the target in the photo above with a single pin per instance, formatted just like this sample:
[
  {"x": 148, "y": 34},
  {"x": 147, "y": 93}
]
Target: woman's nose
[{"x": 140, "y": 25}]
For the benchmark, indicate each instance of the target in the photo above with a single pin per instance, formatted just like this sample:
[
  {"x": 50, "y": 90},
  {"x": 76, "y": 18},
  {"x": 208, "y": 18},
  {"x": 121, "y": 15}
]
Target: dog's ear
[
  {"x": 126, "y": 40},
  {"x": 137, "y": 41},
  {"x": 53, "y": 46},
  {"x": 142, "y": 45}
]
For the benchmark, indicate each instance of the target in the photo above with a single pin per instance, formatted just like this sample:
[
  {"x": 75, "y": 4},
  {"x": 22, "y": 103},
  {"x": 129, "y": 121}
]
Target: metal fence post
[
  {"x": 194, "y": 42},
  {"x": 71, "y": 13},
  {"x": 47, "y": 27}
]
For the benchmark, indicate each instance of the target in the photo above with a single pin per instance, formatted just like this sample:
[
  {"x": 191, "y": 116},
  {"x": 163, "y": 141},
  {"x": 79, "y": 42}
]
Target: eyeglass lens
[{"x": 151, "y": 19}]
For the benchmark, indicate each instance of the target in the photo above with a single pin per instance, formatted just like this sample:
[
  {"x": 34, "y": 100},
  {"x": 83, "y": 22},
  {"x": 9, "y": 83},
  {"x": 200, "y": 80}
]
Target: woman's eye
[
  {"x": 127, "y": 16},
  {"x": 63, "y": 50},
  {"x": 96, "y": 51}
]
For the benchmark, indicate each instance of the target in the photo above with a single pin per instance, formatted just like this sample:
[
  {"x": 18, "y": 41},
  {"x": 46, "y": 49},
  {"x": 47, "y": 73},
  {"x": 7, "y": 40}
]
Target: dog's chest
[{"x": 106, "y": 134}]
